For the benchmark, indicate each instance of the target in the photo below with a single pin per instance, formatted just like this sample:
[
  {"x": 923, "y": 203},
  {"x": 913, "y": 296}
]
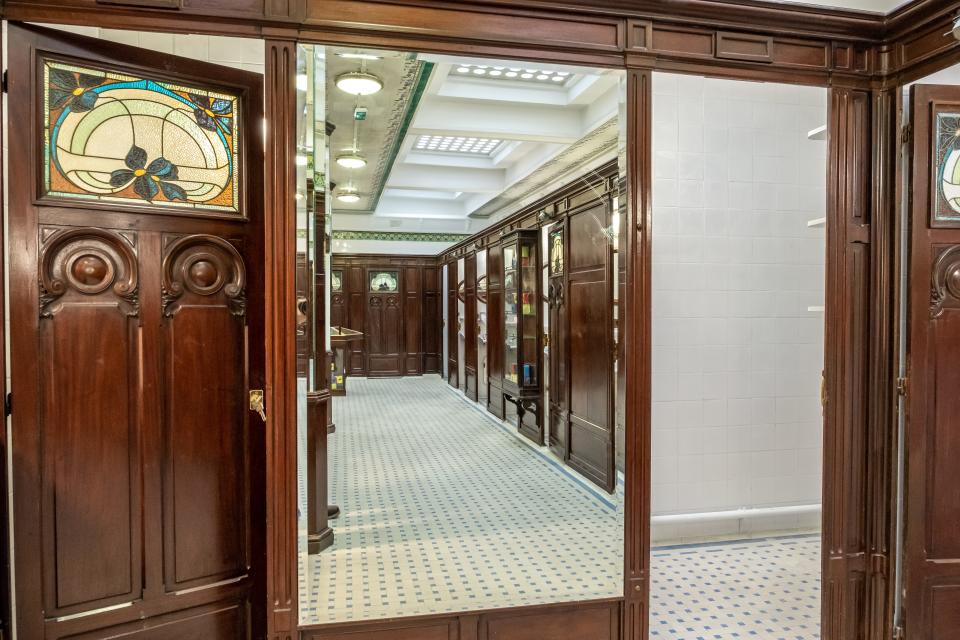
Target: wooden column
[
  {"x": 858, "y": 376},
  {"x": 281, "y": 391},
  {"x": 635, "y": 236},
  {"x": 319, "y": 533}
]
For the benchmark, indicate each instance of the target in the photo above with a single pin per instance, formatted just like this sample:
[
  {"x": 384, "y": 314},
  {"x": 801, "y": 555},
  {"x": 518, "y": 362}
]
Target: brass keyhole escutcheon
[{"x": 256, "y": 403}]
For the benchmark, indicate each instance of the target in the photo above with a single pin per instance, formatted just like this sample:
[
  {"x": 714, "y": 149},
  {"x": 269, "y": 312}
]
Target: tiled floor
[{"x": 446, "y": 509}]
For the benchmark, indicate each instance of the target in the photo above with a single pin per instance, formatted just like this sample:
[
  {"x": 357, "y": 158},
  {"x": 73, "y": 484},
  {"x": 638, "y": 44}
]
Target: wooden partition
[
  {"x": 470, "y": 382},
  {"x": 401, "y": 324}
]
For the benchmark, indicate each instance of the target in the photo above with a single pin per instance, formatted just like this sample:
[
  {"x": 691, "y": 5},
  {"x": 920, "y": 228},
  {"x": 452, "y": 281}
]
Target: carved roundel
[
  {"x": 945, "y": 288},
  {"x": 206, "y": 266},
  {"x": 87, "y": 261}
]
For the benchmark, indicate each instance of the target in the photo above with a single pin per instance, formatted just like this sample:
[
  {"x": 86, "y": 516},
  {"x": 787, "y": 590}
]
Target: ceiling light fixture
[
  {"x": 348, "y": 194},
  {"x": 359, "y": 83},
  {"x": 352, "y": 160},
  {"x": 359, "y": 56}
]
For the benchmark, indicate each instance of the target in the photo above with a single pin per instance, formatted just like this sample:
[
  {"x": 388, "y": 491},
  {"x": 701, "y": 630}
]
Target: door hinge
[
  {"x": 902, "y": 387},
  {"x": 8, "y": 404},
  {"x": 905, "y": 134}
]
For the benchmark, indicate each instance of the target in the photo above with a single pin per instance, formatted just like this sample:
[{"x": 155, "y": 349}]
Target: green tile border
[{"x": 400, "y": 236}]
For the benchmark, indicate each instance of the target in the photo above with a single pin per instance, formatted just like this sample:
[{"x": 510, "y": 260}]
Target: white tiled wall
[
  {"x": 737, "y": 355},
  {"x": 239, "y": 53}
]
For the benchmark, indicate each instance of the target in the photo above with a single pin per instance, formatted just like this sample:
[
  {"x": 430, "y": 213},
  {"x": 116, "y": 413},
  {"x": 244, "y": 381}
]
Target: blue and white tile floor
[{"x": 444, "y": 509}]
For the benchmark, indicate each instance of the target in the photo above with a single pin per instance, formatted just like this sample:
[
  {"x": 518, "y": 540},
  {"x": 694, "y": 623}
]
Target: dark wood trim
[
  {"x": 636, "y": 308},
  {"x": 591, "y": 619},
  {"x": 281, "y": 389}
]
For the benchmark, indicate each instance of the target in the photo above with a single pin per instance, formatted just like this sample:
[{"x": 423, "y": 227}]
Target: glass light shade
[
  {"x": 358, "y": 83},
  {"x": 348, "y": 195},
  {"x": 352, "y": 161}
]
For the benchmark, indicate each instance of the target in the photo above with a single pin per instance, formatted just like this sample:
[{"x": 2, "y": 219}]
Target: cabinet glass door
[
  {"x": 510, "y": 313},
  {"x": 528, "y": 313}
]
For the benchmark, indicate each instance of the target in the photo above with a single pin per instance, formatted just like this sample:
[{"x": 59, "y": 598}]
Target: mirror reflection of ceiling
[{"x": 463, "y": 140}]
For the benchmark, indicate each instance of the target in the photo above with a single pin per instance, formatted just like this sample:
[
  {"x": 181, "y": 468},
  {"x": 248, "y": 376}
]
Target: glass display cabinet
[{"x": 521, "y": 329}]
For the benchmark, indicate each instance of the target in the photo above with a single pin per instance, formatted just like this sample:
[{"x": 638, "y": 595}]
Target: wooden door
[
  {"x": 384, "y": 322},
  {"x": 432, "y": 320},
  {"x": 453, "y": 340},
  {"x": 559, "y": 426},
  {"x": 137, "y": 314},
  {"x": 590, "y": 355},
  {"x": 412, "y": 309},
  {"x": 470, "y": 325},
  {"x": 355, "y": 288},
  {"x": 495, "y": 402},
  {"x": 932, "y": 437}
]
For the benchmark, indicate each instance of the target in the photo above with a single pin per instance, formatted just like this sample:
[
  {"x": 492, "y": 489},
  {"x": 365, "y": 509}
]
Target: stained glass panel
[
  {"x": 383, "y": 281},
  {"x": 113, "y": 137},
  {"x": 947, "y": 188}
]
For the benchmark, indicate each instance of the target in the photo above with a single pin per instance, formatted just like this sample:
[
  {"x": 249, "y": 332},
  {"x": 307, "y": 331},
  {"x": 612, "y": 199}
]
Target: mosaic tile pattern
[
  {"x": 445, "y": 509},
  {"x": 767, "y": 589}
]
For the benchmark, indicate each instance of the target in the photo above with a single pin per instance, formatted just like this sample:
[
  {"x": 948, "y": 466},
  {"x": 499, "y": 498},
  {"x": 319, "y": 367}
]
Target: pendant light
[
  {"x": 352, "y": 159},
  {"x": 347, "y": 194},
  {"x": 359, "y": 83}
]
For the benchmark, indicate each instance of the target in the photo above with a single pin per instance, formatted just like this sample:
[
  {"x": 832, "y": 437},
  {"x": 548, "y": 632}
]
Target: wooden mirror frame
[{"x": 864, "y": 59}]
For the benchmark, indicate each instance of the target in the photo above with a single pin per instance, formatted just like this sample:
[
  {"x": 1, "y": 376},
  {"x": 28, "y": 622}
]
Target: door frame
[{"x": 612, "y": 37}]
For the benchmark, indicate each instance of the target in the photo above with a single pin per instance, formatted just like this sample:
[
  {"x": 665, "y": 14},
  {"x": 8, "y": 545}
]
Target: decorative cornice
[{"x": 400, "y": 236}]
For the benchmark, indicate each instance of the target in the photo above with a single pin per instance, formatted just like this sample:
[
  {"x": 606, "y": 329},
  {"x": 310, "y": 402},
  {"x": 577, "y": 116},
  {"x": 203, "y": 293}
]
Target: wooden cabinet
[{"x": 521, "y": 329}]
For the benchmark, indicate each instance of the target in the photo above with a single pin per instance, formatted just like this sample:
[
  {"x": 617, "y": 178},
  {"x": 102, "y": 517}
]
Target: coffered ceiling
[{"x": 460, "y": 141}]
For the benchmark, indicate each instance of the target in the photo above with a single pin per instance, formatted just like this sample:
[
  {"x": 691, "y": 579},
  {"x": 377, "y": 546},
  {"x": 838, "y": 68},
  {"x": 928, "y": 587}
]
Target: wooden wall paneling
[
  {"x": 5, "y": 600},
  {"x": 635, "y": 326},
  {"x": 281, "y": 388},
  {"x": 931, "y": 560},
  {"x": 355, "y": 287},
  {"x": 432, "y": 319},
  {"x": 846, "y": 341},
  {"x": 413, "y": 294},
  {"x": 453, "y": 339},
  {"x": 596, "y": 620},
  {"x": 470, "y": 326},
  {"x": 495, "y": 400},
  {"x": 589, "y": 301}
]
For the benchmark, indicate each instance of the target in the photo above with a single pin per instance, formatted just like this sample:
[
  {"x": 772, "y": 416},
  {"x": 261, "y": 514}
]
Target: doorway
[{"x": 136, "y": 338}]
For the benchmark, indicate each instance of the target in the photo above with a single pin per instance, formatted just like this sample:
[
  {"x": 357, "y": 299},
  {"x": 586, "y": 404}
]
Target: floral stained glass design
[
  {"x": 385, "y": 281},
  {"x": 116, "y": 138},
  {"x": 947, "y": 200}
]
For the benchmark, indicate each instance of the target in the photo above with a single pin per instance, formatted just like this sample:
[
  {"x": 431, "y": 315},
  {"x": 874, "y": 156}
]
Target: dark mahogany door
[
  {"x": 470, "y": 326},
  {"x": 559, "y": 418},
  {"x": 453, "y": 321},
  {"x": 384, "y": 322},
  {"x": 589, "y": 357},
  {"x": 932, "y": 439},
  {"x": 137, "y": 318}
]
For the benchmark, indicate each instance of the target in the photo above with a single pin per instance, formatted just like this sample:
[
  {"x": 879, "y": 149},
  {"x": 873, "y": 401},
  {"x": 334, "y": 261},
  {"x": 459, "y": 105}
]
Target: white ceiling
[
  {"x": 877, "y": 6},
  {"x": 524, "y": 129}
]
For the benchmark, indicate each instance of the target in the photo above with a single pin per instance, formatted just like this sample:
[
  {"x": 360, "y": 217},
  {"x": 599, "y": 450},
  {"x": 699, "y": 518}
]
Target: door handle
[{"x": 256, "y": 403}]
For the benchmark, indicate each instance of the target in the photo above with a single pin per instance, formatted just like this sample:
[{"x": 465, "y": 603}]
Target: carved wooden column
[
  {"x": 319, "y": 533},
  {"x": 858, "y": 374},
  {"x": 635, "y": 238},
  {"x": 280, "y": 229}
]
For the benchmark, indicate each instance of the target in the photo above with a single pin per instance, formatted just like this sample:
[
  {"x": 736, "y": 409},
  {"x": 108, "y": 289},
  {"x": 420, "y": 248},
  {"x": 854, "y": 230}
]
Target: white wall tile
[{"x": 737, "y": 355}]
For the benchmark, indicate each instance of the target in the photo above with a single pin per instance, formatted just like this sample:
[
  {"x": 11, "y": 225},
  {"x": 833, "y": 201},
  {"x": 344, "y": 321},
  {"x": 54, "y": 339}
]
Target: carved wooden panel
[
  {"x": 356, "y": 286},
  {"x": 559, "y": 423},
  {"x": 89, "y": 403},
  {"x": 470, "y": 324},
  {"x": 432, "y": 320},
  {"x": 413, "y": 325},
  {"x": 590, "y": 324},
  {"x": 452, "y": 328},
  {"x": 205, "y": 417},
  {"x": 495, "y": 401}
]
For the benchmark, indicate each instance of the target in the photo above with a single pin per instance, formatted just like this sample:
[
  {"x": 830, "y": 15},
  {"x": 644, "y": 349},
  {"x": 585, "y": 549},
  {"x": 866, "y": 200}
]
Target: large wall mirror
[{"x": 499, "y": 484}]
